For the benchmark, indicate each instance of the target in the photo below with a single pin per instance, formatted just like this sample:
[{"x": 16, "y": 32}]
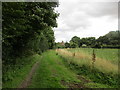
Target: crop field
[{"x": 106, "y": 54}]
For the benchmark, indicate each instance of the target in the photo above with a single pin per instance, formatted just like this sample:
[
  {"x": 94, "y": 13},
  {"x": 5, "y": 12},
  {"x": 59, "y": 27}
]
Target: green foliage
[
  {"x": 97, "y": 76},
  {"x": 75, "y": 42},
  {"x": 27, "y": 29},
  {"x": 60, "y": 45},
  {"x": 90, "y": 41},
  {"x": 97, "y": 45},
  {"x": 67, "y": 45},
  {"x": 52, "y": 72},
  {"x": 110, "y": 40},
  {"x": 73, "y": 45},
  {"x": 49, "y": 34},
  {"x": 15, "y": 75}
]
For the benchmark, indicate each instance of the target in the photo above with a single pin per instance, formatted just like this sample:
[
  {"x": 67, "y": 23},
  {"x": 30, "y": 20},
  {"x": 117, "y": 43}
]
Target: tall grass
[
  {"x": 107, "y": 54},
  {"x": 13, "y": 77},
  {"x": 103, "y": 72},
  {"x": 84, "y": 59}
]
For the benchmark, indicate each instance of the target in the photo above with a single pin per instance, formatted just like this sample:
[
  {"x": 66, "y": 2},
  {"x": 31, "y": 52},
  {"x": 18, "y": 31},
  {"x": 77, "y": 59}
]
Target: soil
[
  {"x": 76, "y": 85},
  {"x": 28, "y": 79}
]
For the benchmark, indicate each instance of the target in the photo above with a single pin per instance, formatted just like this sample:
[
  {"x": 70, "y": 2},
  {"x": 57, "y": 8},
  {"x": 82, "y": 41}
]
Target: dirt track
[{"x": 28, "y": 79}]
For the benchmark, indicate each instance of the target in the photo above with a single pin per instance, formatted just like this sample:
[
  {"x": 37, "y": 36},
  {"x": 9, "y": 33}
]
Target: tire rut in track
[{"x": 28, "y": 79}]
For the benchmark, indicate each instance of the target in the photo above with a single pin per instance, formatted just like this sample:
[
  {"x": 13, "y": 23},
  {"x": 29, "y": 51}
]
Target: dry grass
[
  {"x": 84, "y": 59},
  {"x": 106, "y": 66}
]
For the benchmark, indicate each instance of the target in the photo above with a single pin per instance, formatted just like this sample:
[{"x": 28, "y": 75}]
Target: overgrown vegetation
[
  {"x": 27, "y": 29},
  {"x": 104, "y": 71},
  {"x": 106, "y": 54},
  {"x": 15, "y": 75}
]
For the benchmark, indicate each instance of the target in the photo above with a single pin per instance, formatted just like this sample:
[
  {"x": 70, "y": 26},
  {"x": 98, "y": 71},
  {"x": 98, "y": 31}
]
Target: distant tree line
[
  {"x": 26, "y": 29},
  {"x": 110, "y": 40}
]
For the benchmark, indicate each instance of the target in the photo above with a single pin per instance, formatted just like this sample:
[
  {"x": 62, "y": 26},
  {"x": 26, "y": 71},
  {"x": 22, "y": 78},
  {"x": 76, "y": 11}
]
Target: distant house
[{"x": 61, "y": 44}]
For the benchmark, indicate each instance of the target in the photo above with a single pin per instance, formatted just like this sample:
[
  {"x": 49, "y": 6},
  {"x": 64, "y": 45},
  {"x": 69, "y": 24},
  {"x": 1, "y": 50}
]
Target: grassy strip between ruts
[
  {"x": 19, "y": 74},
  {"x": 52, "y": 73}
]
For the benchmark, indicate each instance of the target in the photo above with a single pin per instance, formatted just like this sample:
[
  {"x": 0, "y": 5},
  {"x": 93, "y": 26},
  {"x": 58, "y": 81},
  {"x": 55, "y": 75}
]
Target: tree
[
  {"x": 111, "y": 39},
  {"x": 67, "y": 45},
  {"x": 49, "y": 34},
  {"x": 27, "y": 29},
  {"x": 75, "y": 42},
  {"x": 89, "y": 41}
]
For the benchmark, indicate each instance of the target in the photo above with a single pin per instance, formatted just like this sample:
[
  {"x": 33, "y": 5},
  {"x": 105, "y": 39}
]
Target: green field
[
  {"x": 61, "y": 69},
  {"x": 107, "y": 54}
]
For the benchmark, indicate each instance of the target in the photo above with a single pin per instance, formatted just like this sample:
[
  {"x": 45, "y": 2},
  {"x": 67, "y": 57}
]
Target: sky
[{"x": 85, "y": 19}]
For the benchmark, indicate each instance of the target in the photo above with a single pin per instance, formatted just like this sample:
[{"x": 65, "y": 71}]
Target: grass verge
[{"x": 16, "y": 76}]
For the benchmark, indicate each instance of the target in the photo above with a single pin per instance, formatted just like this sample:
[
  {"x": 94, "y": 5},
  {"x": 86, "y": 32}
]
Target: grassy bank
[
  {"x": 15, "y": 76},
  {"x": 104, "y": 71}
]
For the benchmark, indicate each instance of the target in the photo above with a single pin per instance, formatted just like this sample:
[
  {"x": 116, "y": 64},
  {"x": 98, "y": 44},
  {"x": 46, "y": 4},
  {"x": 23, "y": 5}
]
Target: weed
[{"x": 104, "y": 71}]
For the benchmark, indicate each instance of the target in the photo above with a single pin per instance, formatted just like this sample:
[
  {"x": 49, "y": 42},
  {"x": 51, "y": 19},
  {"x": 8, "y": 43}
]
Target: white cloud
[{"x": 85, "y": 19}]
